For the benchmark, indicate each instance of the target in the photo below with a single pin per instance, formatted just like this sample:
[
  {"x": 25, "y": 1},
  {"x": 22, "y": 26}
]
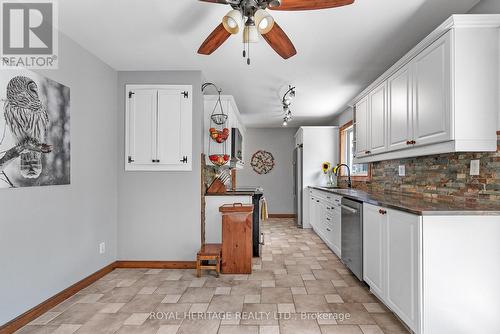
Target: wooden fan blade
[
  {"x": 223, "y": 2},
  {"x": 280, "y": 42},
  {"x": 311, "y": 4},
  {"x": 214, "y": 40}
]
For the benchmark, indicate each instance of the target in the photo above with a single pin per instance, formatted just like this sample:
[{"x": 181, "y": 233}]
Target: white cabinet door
[
  {"x": 362, "y": 127},
  {"x": 174, "y": 128},
  {"x": 141, "y": 127},
  {"x": 377, "y": 120},
  {"x": 400, "y": 127},
  {"x": 373, "y": 248},
  {"x": 312, "y": 212},
  {"x": 158, "y": 134},
  {"x": 432, "y": 93},
  {"x": 402, "y": 265}
]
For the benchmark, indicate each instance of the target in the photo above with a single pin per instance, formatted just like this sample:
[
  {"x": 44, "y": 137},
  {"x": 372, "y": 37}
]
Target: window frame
[{"x": 342, "y": 137}]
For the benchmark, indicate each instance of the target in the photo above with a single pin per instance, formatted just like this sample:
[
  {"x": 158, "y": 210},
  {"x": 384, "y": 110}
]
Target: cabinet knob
[
  {"x": 382, "y": 212},
  {"x": 368, "y": 152},
  {"x": 184, "y": 160},
  {"x": 408, "y": 142}
]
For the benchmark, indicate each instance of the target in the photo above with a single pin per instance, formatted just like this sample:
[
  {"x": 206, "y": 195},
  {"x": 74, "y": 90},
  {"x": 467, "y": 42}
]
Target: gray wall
[
  {"x": 159, "y": 212},
  {"x": 49, "y": 236},
  {"x": 278, "y": 185},
  {"x": 486, "y": 7},
  {"x": 343, "y": 117}
]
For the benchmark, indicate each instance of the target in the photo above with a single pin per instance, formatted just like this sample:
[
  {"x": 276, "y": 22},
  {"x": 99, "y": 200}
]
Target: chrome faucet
[{"x": 337, "y": 169}]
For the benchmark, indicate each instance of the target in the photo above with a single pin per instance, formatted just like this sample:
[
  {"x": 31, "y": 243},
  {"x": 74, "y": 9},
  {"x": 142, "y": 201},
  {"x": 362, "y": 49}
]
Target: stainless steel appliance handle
[
  {"x": 262, "y": 239},
  {"x": 348, "y": 208}
]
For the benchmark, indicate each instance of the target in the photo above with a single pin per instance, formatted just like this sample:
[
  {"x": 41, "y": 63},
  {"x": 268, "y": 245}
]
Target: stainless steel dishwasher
[{"x": 352, "y": 236}]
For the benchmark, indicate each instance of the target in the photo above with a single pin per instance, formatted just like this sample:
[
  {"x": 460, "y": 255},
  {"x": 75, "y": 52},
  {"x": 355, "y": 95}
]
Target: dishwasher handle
[{"x": 349, "y": 209}]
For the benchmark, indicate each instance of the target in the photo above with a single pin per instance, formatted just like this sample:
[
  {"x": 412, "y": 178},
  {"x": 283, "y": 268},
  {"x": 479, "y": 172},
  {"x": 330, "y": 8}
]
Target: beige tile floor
[{"x": 298, "y": 286}]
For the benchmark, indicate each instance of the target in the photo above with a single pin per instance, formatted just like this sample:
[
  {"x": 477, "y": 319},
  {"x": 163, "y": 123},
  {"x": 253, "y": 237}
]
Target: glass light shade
[
  {"x": 250, "y": 34},
  {"x": 264, "y": 21},
  {"x": 232, "y": 21}
]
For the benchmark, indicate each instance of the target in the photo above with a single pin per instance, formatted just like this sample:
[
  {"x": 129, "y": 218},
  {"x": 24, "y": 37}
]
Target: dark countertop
[
  {"x": 239, "y": 192},
  {"x": 414, "y": 205}
]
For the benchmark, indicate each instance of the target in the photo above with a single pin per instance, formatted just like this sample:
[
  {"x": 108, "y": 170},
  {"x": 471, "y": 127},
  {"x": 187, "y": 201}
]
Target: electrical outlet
[
  {"x": 402, "y": 170},
  {"x": 474, "y": 167},
  {"x": 102, "y": 248}
]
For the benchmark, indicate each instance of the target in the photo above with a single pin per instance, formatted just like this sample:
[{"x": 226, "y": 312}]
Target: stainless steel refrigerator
[{"x": 298, "y": 183}]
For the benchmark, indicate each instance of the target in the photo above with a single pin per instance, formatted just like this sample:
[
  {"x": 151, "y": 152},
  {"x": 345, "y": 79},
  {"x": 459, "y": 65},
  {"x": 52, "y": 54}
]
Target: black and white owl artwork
[{"x": 34, "y": 130}]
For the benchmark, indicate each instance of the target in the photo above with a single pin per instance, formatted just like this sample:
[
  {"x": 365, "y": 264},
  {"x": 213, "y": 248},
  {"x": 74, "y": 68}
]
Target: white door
[
  {"x": 432, "y": 97},
  {"x": 377, "y": 123},
  {"x": 400, "y": 131},
  {"x": 174, "y": 127},
  {"x": 361, "y": 127},
  {"x": 402, "y": 265},
  {"x": 373, "y": 248},
  {"x": 141, "y": 127}
]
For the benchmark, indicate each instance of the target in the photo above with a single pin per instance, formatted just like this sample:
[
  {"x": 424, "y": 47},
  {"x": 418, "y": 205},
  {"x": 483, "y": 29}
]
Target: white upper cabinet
[
  {"x": 362, "y": 130},
  {"x": 158, "y": 135},
  {"x": 400, "y": 127},
  {"x": 377, "y": 119},
  {"x": 442, "y": 97},
  {"x": 432, "y": 85}
]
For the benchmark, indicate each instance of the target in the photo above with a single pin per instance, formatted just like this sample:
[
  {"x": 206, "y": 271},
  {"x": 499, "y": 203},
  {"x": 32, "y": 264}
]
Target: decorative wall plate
[{"x": 262, "y": 162}]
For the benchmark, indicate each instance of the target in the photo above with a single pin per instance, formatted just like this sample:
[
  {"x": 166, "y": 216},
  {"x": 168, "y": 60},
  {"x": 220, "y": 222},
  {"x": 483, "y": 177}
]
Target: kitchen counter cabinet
[
  {"x": 439, "y": 274},
  {"x": 414, "y": 205}
]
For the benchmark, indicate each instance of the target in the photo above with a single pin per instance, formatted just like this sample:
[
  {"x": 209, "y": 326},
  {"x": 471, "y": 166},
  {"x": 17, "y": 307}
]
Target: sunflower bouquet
[{"x": 328, "y": 170}]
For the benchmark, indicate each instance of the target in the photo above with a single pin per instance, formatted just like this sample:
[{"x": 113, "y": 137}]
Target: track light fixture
[{"x": 287, "y": 102}]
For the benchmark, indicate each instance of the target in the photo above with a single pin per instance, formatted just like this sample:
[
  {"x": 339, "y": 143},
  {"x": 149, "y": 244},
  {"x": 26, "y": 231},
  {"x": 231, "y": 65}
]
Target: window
[{"x": 360, "y": 171}]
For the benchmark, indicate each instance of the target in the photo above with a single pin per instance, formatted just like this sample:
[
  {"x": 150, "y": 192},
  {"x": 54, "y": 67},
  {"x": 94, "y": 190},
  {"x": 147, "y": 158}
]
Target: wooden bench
[{"x": 207, "y": 253}]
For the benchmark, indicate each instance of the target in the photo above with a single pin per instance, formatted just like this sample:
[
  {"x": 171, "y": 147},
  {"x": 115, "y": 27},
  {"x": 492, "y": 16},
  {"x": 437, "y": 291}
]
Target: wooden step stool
[{"x": 209, "y": 252}]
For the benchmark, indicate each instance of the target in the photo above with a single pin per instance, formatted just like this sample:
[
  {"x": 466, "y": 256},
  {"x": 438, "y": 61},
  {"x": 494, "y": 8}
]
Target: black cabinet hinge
[
  {"x": 185, "y": 94},
  {"x": 130, "y": 160},
  {"x": 130, "y": 94}
]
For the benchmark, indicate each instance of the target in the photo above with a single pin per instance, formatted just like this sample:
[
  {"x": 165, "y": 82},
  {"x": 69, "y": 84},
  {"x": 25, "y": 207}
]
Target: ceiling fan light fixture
[
  {"x": 274, "y": 3},
  {"x": 250, "y": 34},
  {"x": 232, "y": 21},
  {"x": 264, "y": 21}
]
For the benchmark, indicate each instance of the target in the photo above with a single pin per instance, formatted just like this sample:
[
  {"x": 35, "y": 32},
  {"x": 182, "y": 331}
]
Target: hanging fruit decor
[
  {"x": 218, "y": 132},
  {"x": 219, "y": 136}
]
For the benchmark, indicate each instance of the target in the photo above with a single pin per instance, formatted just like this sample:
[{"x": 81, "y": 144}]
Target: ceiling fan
[{"x": 258, "y": 21}]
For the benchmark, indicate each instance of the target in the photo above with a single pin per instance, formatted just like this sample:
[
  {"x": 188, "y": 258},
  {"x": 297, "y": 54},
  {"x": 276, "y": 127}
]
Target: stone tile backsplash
[{"x": 444, "y": 177}]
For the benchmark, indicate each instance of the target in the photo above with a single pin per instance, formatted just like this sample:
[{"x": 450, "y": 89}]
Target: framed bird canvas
[{"x": 34, "y": 130}]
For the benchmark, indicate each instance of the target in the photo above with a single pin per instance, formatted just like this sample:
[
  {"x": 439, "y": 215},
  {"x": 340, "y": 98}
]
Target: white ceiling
[{"x": 340, "y": 51}]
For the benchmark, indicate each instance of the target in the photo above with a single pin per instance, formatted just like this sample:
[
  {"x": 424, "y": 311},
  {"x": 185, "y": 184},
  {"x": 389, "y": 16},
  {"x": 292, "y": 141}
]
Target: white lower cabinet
[
  {"x": 325, "y": 216},
  {"x": 391, "y": 260},
  {"x": 373, "y": 248}
]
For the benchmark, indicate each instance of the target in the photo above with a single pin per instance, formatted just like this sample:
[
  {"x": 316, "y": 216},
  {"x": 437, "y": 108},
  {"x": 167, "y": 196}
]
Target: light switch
[
  {"x": 402, "y": 170},
  {"x": 474, "y": 167}
]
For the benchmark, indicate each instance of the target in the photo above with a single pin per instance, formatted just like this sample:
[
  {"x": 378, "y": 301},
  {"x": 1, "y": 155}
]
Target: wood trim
[
  {"x": 282, "y": 215},
  {"x": 35, "y": 312},
  {"x": 342, "y": 175},
  {"x": 156, "y": 264},
  {"x": 48, "y": 304}
]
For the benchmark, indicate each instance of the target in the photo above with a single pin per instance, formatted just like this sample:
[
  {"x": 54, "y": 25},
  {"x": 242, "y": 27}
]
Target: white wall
[
  {"x": 49, "y": 236},
  {"x": 278, "y": 184},
  {"x": 159, "y": 212}
]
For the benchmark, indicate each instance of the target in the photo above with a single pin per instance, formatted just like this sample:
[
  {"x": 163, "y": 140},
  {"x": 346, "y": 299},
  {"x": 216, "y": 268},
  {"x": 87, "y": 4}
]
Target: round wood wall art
[{"x": 262, "y": 162}]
